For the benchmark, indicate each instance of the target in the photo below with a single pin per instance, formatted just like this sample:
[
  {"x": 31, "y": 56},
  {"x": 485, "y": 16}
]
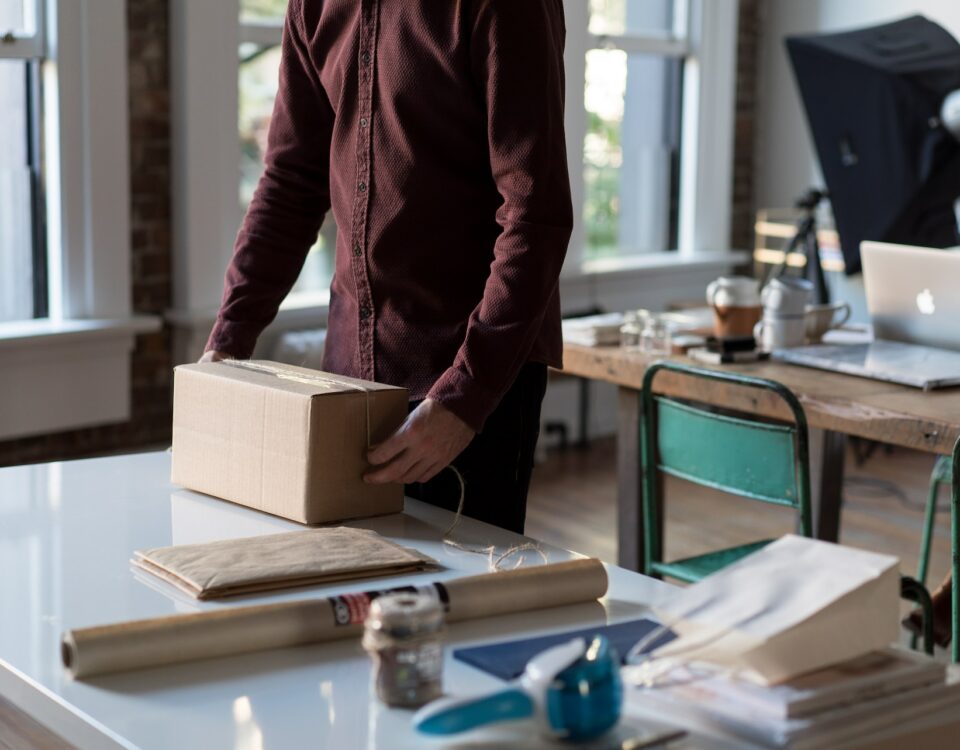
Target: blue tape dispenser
[{"x": 574, "y": 691}]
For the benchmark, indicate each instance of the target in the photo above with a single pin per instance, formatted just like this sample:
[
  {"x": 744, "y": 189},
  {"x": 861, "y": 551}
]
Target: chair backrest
[
  {"x": 740, "y": 454},
  {"x": 955, "y": 545}
]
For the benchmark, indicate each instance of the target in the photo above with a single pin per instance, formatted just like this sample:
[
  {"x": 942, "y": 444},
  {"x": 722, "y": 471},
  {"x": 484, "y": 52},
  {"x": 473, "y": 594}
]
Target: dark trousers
[{"x": 498, "y": 463}]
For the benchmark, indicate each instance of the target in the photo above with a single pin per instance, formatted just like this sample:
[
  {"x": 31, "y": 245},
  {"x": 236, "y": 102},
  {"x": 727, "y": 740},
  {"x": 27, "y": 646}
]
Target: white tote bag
[{"x": 794, "y": 606}]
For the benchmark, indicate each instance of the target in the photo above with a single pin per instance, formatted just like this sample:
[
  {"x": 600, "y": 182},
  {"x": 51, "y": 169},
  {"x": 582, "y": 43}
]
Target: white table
[{"x": 67, "y": 532}]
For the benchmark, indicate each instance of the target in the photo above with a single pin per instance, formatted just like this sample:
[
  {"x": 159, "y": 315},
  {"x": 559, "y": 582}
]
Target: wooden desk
[{"x": 836, "y": 406}]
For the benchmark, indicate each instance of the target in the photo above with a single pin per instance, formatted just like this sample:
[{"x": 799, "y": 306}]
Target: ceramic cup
[
  {"x": 822, "y": 318},
  {"x": 786, "y": 296},
  {"x": 736, "y": 305},
  {"x": 780, "y": 333}
]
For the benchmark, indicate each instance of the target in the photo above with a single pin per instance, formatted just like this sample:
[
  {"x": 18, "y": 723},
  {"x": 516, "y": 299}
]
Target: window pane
[
  {"x": 617, "y": 17},
  {"x": 631, "y": 153},
  {"x": 18, "y": 16},
  {"x": 16, "y": 225},
  {"x": 261, "y": 10},
  {"x": 258, "y": 87}
]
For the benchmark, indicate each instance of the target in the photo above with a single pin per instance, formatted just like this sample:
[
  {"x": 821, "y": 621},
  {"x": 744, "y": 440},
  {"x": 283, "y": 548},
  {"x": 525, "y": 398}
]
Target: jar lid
[{"x": 403, "y": 615}]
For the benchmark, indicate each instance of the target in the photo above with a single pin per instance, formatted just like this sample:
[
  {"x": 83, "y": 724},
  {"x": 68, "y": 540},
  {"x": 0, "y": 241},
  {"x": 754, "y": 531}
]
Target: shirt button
[
  {"x": 364, "y": 313},
  {"x": 366, "y": 58},
  {"x": 362, "y": 187},
  {"x": 364, "y": 122},
  {"x": 357, "y": 251}
]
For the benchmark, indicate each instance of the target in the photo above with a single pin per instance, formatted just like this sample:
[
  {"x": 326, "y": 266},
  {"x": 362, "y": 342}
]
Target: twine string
[{"x": 495, "y": 561}]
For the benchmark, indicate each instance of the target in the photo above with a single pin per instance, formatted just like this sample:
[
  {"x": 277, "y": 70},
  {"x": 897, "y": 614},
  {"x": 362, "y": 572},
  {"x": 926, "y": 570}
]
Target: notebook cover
[{"x": 508, "y": 659}]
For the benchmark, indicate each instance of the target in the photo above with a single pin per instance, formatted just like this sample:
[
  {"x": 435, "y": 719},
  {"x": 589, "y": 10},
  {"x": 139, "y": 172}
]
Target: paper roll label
[{"x": 352, "y": 609}]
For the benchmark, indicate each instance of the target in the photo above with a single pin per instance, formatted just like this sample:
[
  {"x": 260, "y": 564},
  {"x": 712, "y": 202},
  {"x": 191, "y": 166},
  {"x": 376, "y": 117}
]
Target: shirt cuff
[
  {"x": 465, "y": 397},
  {"x": 235, "y": 339}
]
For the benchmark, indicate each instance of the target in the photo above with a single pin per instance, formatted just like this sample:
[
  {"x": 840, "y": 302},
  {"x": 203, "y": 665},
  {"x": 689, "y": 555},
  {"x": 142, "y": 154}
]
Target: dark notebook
[{"x": 508, "y": 659}]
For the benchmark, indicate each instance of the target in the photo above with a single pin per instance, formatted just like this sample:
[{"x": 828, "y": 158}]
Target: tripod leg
[{"x": 815, "y": 268}]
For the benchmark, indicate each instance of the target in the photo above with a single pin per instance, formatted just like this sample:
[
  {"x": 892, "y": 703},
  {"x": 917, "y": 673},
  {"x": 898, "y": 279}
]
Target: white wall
[{"x": 785, "y": 158}]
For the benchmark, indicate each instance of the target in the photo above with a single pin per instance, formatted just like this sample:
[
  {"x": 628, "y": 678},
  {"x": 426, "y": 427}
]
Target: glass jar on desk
[
  {"x": 630, "y": 330},
  {"x": 655, "y": 335}
]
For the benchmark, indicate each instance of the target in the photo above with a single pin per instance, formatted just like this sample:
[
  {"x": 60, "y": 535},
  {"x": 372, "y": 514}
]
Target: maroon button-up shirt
[{"x": 434, "y": 129}]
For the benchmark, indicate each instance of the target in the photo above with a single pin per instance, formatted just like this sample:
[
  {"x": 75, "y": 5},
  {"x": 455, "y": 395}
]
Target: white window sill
[
  {"x": 302, "y": 310},
  {"x": 62, "y": 375},
  {"x": 303, "y": 307},
  {"x": 46, "y": 332},
  {"x": 647, "y": 264}
]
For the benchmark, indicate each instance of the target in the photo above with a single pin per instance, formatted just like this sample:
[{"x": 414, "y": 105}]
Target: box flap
[{"x": 289, "y": 378}]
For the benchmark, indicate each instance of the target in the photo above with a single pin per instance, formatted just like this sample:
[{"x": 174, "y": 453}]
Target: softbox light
[{"x": 872, "y": 98}]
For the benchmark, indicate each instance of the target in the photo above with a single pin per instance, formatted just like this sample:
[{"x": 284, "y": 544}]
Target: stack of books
[
  {"x": 831, "y": 708},
  {"x": 593, "y": 330}
]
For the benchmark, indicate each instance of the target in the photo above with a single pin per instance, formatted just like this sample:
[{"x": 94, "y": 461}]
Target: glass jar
[
  {"x": 655, "y": 336},
  {"x": 403, "y": 633},
  {"x": 630, "y": 330}
]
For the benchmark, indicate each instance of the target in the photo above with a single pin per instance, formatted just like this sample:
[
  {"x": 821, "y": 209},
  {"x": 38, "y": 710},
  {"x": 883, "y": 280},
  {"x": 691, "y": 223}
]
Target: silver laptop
[{"x": 913, "y": 295}]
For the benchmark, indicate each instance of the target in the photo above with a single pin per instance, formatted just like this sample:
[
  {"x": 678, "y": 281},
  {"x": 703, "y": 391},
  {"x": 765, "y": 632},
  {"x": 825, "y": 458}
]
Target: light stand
[{"x": 805, "y": 241}]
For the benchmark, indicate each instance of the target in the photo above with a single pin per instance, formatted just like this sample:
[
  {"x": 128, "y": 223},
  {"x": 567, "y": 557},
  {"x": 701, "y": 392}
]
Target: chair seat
[{"x": 692, "y": 569}]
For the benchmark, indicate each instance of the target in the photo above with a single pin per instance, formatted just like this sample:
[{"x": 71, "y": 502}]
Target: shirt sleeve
[
  {"x": 289, "y": 204},
  {"x": 517, "y": 48}
]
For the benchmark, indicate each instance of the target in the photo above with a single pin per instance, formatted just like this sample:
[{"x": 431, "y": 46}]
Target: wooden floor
[{"x": 573, "y": 504}]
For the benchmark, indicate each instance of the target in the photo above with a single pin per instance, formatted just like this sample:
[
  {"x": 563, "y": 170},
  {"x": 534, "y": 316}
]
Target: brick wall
[
  {"x": 147, "y": 45},
  {"x": 748, "y": 33}
]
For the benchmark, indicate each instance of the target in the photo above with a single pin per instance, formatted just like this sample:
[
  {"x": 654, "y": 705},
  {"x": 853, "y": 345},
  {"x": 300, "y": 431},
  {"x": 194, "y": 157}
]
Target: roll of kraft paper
[{"x": 159, "y": 641}]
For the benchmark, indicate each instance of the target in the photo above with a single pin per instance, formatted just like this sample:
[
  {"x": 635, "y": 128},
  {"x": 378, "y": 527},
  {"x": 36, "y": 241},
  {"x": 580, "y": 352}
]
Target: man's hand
[
  {"x": 430, "y": 438},
  {"x": 213, "y": 355}
]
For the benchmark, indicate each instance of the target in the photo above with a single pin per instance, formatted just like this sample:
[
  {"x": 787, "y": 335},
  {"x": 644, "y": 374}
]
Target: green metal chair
[
  {"x": 942, "y": 475},
  {"x": 955, "y": 546},
  {"x": 741, "y": 455}
]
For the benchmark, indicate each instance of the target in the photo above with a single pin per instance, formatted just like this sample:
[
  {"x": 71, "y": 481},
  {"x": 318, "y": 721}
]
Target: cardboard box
[{"x": 282, "y": 439}]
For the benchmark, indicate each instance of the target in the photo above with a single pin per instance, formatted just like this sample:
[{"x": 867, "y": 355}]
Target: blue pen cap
[{"x": 585, "y": 699}]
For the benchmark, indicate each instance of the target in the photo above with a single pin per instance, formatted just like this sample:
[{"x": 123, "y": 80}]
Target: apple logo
[{"x": 925, "y": 302}]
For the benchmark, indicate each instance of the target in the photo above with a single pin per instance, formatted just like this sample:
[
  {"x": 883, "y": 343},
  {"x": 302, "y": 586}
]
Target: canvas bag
[{"x": 794, "y": 606}]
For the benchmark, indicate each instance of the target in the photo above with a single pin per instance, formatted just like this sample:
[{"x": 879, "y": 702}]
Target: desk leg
[
  {"x": 629, "y": 481},
  {"x": 827, "y": 453}
]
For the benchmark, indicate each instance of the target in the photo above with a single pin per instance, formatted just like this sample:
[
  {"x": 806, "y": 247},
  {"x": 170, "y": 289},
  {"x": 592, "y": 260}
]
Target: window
[
  {"x": 650, "y": 88},
  {"x": 633, "y": 89},
  {"x": 23, "y": 256},
  {"x": 261, "y": 23}
]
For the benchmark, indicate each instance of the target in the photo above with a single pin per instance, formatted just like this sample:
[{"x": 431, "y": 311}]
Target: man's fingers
[
  {"x": 393, "y": 471},
  {"x": 411, "y": 474},
  {"x": 389, "y": 449}
]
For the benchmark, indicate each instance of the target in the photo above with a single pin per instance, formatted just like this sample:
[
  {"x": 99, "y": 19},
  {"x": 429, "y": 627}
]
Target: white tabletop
[{"x": 67, "y": 533}]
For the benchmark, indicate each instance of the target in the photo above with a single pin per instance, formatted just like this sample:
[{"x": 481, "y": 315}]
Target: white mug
[
  {"x": 786, "y": 296},
  {"x": 822, "y": 318},
  {"x": 780, "y": 333},
  {"x": 733, "y": 291}
]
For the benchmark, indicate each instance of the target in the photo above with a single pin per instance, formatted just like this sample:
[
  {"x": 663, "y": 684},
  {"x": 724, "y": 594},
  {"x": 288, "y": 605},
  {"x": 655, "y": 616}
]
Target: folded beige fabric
[{"x": 265, "y": 563}]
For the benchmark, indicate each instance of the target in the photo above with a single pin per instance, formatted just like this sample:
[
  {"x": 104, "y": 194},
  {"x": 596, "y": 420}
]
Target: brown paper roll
[{"x": 181, "y": 638}]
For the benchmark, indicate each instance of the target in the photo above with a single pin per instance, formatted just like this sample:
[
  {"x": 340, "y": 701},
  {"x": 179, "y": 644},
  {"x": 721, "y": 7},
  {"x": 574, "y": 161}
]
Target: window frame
[
  {"x": 90, "y": 327},
  {"x": 703, "y": 37},
  {"x": 27, "y": 46},
  {"x": 267, "y": 34}
]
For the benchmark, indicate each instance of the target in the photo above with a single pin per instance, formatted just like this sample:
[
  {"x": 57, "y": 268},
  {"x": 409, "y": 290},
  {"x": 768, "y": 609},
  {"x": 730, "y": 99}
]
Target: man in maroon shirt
[{"x": 434, "y": 131}]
